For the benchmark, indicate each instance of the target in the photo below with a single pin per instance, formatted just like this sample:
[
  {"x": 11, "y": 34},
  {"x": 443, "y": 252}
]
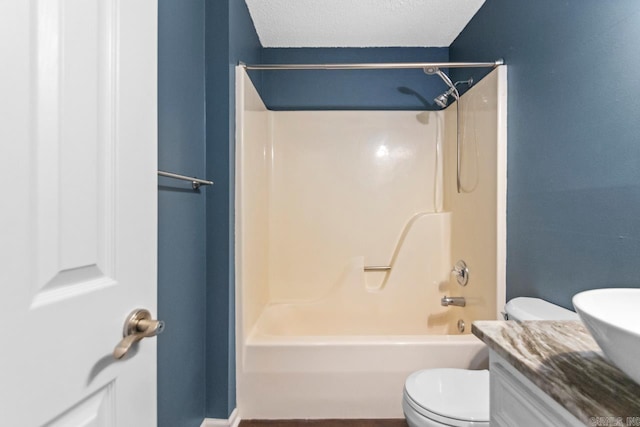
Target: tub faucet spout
[{"x": 457, "y": 301}]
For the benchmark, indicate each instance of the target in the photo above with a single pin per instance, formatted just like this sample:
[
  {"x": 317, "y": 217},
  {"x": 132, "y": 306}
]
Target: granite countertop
[{"x": 563, "y": 360}]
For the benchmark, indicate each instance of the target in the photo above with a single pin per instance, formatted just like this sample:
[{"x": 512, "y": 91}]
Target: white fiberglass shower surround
[{"x": 348, "y": 224}]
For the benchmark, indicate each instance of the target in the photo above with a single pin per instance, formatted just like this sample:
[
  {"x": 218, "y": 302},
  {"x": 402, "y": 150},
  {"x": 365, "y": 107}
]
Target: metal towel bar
[
  {"x": 377, "y": 267},
  {"x": 195, "y": 182}
]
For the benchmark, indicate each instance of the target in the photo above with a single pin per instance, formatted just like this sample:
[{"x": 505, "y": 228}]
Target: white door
[{"x": 77, "y": 210}]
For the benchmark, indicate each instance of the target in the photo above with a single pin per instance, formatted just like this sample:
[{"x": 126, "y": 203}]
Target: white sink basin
[{"x": 613, "y": 318}]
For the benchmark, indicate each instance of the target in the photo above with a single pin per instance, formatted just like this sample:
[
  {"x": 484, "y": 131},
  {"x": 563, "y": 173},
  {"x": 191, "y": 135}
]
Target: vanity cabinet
[
  {"x": 516, "y": 401},
  {"x": 551, "y": 373}
]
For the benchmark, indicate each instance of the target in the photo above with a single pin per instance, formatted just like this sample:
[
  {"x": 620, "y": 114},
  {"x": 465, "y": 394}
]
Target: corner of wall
[
  {"x": 229, "y": 38},
  {"x": 232, "y": 421}
]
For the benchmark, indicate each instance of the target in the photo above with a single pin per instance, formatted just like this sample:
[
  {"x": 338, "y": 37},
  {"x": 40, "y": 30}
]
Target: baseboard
[{"x": 233, "y": 421}]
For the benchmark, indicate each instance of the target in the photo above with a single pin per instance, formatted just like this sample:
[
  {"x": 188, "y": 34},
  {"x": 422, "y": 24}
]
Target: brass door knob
[{"x": 138, "y": 325}]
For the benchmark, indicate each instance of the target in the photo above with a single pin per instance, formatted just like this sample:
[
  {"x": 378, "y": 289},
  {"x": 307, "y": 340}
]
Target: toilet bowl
[
  {"x": 460, "y": 397},
  {"x": 447, "y": 397}
]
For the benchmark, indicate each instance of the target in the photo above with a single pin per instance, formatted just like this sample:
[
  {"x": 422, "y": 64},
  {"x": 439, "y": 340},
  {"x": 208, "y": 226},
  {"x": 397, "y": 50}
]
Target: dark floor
[{"x": 323, "y": 423}]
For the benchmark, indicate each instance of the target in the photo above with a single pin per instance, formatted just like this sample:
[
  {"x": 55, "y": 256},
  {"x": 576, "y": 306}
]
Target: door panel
[
  {"x": 78, "y": 223},
  {"x": 97, "y": 410},
  {"x": 74, "y": 147}
]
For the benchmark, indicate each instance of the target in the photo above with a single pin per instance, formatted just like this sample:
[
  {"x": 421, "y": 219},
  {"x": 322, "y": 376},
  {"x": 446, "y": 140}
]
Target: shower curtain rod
[{"x": 373, "y": 66}]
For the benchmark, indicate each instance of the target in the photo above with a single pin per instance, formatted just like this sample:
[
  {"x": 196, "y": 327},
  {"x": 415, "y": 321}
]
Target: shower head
[{"x": 443, "y": 100}]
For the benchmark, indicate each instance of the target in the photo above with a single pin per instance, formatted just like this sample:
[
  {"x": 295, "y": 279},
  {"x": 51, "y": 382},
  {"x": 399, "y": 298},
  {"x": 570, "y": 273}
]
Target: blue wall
[
  {"x": 574, "y": 183},
  {"x": 230, "y": 37},
  {"x": 574, "y": 144},
  {"x": 351, "y": 90},
  {"x": 181, "y": 214}
]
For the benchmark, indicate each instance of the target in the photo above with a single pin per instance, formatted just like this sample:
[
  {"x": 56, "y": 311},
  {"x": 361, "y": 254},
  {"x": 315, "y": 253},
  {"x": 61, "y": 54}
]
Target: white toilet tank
[{"x": 524, "y": 308}]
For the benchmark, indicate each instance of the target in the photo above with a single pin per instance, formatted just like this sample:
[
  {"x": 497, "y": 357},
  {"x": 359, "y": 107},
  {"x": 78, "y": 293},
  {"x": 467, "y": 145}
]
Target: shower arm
[{"x": 452, "y": 90}]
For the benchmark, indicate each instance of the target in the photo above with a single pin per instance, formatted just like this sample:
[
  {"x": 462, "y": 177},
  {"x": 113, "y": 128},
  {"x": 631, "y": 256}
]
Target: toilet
[{"x": 460, "y": 397}]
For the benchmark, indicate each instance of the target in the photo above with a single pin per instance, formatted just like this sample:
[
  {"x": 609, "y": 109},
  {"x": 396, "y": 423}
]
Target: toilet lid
[{"x": 459, "y": 394}]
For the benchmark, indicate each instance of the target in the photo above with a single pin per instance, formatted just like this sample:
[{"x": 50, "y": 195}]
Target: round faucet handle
[{"x": 461, "y": 271}]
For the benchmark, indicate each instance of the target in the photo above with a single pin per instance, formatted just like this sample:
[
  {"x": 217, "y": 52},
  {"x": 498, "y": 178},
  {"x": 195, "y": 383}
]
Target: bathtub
[
  {"x": 347, "y": 353},
  {"x": 292, "y": 368}
]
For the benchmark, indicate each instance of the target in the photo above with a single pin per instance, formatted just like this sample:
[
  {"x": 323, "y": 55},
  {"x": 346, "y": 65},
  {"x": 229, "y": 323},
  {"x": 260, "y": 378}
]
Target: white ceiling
[{"x": 360, "y": 23}]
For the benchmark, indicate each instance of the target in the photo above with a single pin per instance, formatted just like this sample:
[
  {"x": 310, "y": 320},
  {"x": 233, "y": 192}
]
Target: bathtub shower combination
[{"x": 348, "y": 226}]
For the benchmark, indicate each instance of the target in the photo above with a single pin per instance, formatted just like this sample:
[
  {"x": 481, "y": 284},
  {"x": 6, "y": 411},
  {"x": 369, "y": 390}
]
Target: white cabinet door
[
  {"x": 516, "y": 401},
  {"x": 78, "y": 163}
]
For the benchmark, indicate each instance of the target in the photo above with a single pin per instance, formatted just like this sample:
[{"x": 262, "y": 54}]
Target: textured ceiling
[{"x": 360, "y": 23}]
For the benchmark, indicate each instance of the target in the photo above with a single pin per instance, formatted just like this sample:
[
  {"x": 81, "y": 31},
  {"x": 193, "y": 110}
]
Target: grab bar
[
  {"x": 195, "y": 182},
  {"x": 377, "y": 267}
]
